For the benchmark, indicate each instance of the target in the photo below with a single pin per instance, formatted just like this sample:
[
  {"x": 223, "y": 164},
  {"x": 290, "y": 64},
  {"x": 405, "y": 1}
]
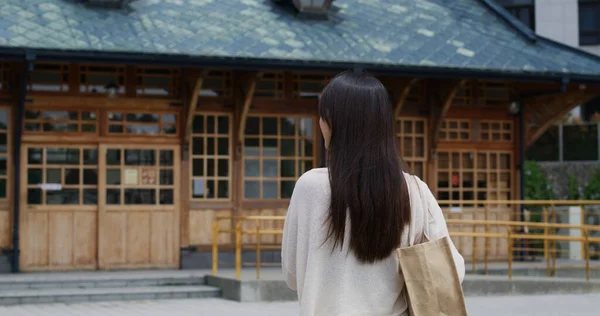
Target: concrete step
[
  {"x": 25, "y": 282},
  {"x": 76, "y": 295}
]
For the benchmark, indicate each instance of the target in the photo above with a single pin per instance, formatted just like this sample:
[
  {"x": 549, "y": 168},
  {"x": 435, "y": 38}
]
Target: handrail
[{"x": 548, "y": 237}]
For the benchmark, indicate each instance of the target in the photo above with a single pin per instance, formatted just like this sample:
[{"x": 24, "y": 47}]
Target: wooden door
[
  {"x": 59, "y": 208},
  {"x": 139, "y": 206}
]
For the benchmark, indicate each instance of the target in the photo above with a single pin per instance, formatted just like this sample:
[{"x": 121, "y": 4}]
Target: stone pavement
[{"x": 551, "y": 305}]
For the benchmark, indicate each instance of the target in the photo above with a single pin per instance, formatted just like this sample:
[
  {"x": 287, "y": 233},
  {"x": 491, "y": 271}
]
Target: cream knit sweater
[{"x": 335, "y": 283}]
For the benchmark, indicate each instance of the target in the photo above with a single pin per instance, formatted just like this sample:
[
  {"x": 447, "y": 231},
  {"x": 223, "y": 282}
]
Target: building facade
[{"x": 125, "y": 131}]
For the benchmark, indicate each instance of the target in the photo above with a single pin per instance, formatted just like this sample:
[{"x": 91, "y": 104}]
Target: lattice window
[
  {"x": 211, "y": 157},
  {"x": 62, "y": 176},
  {"x": 496, "y": 130},
  {"x": 412, "y": 137},
  {"x": 455, "y": 130},
  {"x": 218, "y": 83},
  {"x": 143, "y": 123},
  {"x": 309, "y": 86},
  {"x": 157, "y": 82},
  {"x": 60, "y": 121},
  {"x": 5, "y": 152},
  {"x": 97, "y": 78},
  {"x": 4, "y": 77},
  {"x": 494, "y": 93},
  {"x": 140, "y": 176},
  {"x": 277, "y": 151},
  {"x": 270, "y": 86},
  {"x": 464, "y": 95},
  {"x": 49, "y": 78},
  {"x": 473, "y": 176}
]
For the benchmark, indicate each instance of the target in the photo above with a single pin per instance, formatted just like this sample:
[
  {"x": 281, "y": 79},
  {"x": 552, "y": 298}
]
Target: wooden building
[{"x": 124, "y": 131}]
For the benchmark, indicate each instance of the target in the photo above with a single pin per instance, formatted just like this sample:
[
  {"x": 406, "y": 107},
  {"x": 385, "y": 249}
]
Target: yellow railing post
[
  {"x": 488, "y": 244},
  {"x": 582, "y": 222},
  {"x": 215, "y": 248},
  {"x": 510, "y": 251},
  {"x": 553, "y": 252},
  {"x": 258, "y": 249},
  {"x": 474, "y": 263},
  {"x": 238, "y": 249},
  {"x": 586, "y": 250},
  {"x": 545, "y": 220}
]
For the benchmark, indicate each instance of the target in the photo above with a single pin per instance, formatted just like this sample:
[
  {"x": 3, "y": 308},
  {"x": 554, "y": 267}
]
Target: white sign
[{"x": 50, "y": 186}]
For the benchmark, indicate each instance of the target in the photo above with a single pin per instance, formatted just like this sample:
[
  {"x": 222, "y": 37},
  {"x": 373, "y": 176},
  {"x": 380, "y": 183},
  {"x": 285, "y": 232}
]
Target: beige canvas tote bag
[{"x": 431, "y": 281}]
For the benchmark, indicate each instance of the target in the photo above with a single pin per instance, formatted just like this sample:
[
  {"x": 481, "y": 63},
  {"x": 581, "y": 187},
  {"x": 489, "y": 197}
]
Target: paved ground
[{"x": 559, "y": 305}]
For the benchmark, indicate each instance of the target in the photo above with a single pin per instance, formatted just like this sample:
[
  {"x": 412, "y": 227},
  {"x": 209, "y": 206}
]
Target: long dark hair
[{"x": 364, "y": 167}]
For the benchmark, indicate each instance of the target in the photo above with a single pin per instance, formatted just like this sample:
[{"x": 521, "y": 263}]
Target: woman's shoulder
[{"x": 313, "y": 181}]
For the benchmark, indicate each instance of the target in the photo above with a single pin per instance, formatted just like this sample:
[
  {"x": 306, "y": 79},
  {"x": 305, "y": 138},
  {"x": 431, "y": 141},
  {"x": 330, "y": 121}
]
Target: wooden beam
[
  {"x": 193, "y": 105},
  {"x": 437, "y": 121},
  {"x": 253, "y": 81},
  {"x": 401, "y": 100}
]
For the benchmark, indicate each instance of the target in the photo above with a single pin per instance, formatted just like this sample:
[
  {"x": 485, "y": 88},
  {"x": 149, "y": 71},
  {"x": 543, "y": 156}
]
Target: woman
[{"x": 345, "y": 222}]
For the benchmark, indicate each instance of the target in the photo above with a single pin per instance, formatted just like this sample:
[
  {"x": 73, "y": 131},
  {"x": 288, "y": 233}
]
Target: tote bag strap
[{"x": 423, "y": 210}]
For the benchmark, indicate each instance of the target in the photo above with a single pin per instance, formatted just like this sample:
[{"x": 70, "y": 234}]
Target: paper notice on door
[
  {"x": 50, "y": 186},
  {"x": 131, "y": 176}
]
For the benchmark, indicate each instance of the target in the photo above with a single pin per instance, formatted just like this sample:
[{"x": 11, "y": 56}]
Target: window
[
  {"x": 211, "y": 157},
  {"x": 139, "y": 123},
  {"x": 49, "y": 78},
  {"x": 270, "y": 86},
  {"x": 59, "y": 121},
  {"x": 70, "y": 176},
  {"x": 523, "y": 10},
  {"x": 307, "y": 86},
  {"x": 161, "y": 82},
  {"x": 4, "y": 152},
  {"x": 4, "y": 77},
  {"x": 455, "y": 130},
  {"x": 277, "y": 151},
  {"x": 464, "y": 95},
  {"x": 411, "y": 144},
  {"x": 494, "y": 94},
  {"x": 589, "y": 22},
  {"x": 96, "y": 78},
  {"x": 495, "y": 130},
  {"x": 217, "y": 84}
]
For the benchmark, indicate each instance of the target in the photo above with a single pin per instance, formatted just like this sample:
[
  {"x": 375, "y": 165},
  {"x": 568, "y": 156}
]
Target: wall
[
  {"x": 558, "y": 20},
  {"x": 559, "y": 172}
]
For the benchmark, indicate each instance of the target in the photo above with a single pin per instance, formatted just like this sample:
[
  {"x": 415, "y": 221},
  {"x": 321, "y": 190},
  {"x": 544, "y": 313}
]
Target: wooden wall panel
[
  {"x": 162, "y": 238},
  {"x": 138, "y": 237},
  {"x": 114, "y": 242},
  {"x": 85, "y": 238},
  {"x": 37, "y": 237},
  {"x": 5, "y": 229},
  {"x": 265, "y": 225},
  {"x": 60, "y": 241},
  {"x": 200, "y": 227}
]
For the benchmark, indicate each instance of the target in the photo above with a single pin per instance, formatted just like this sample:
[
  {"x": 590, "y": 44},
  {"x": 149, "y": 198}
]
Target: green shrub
[
  {"x": 592, "y": 189},
  {"x": 574, "y": 191}
]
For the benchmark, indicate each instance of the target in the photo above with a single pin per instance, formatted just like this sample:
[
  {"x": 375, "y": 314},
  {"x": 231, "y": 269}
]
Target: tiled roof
[{"x": 432, "y": 34}]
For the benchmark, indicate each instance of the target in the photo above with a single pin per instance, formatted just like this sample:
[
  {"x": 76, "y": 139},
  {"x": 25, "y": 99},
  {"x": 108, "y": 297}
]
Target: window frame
[{"x": 589, "y": 5}]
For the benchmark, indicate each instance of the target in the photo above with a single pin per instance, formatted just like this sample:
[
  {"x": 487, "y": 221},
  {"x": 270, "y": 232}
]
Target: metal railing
[{"x": 512, "y": 231}]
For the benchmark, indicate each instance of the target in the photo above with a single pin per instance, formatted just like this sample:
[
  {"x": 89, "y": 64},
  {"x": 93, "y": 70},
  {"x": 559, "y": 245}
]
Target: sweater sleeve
[
  {"x": 437, "y": 229},
  {"x": 289, "y": 246}
]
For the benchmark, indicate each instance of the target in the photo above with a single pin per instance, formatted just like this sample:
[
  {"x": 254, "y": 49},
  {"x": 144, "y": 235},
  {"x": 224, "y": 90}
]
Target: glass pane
[
  {"x": 115, "y": 129},
  {"x": 198, "y": 126},
  {"x": 61, "y": 115},
  {"x": 115, "y": 117},
  {"x": 269, "y": 168},
  {"x": 223, "y": 144},
  {"x": 90, "y": 157},
  {"x": 210, "y": 189},
  {"x": 287, "y": 188},
  {"x": 113, "y": 157},
  {"x": 166, "y": 196},
  {"x": 223, "y": 125},
  {"x": 288, "y": 147},
  {"x": 251, "y": 168},
  {"x": 72, "y": 176},
  {"x": 166, "y": 177},
  {"x": 251, "y": 189},
  {"x": 223, "y": 168},
  {"x": 33, "y": 127},
  {"x": 90, "y": 196},
  {"x": 88, "y": 128},
  {"x": 197, "y": 145},
  {"x": 288, "y": 168},
  {"x": 198, "y": 188},
  {"x": 113, "y": 196},
  {"x": 269, "y": 126},
  {"x": 210, "y": 167},
  {"x": 198, "y": 167},
  {"x": 223, "y": 189},
  {"x": 252, "y": 126},
  {"x": 62, "y": 197},
  {"x": 251, "y": 147},
  {"x": 53, "y": 176},
  {"x": 3, "y": 143},
  {"x": 113, "y": 176},
  {"x": 169, "y": 129},
  {"x": 306, "y": 127},
  {"x": 142, "y": 118},
  {"x": 169, "y": 118},
  {"x": 2, "y": 165},
  {"x": 2, "y": 188},
  {"x": 306, "y": 148},
  {"x": 210, "y": 124},
  {"x": 32, "y": 115},
  {"x": 140, "y": 196},
  {"x": 34, "y": 156},
  {"x": 3, "y": 119},
  {"x": 88, "y": 116},
  {"x": 90, "y": 176},
  {"x": 167, "y": 158},
  {"x": 142, "y": 129},
  {"x": 269, "y": 190},
  {"x": 60, "y": 127},
  {"x": 269, "y": 147},
  {"x": 34, "y": 196},
  {"x": 62, "y": 156},
  {"x": 140, "y": 157},
  {"x": 288, "y": 126},
  {"x": 34, "y": 176},
  {"x": 210, "y": 146}
]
